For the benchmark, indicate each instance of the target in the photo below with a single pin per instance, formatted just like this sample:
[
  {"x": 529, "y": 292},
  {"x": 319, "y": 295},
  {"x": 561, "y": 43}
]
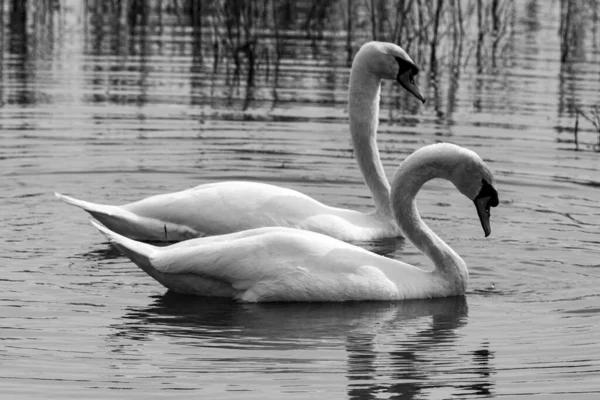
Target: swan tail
[
  {"x": 92, "y": 208},
  {"x": 131, "y": 225},
  {"x": 110, "y": 216},
  {"x": 138, "y": 252},
  {"x": 142, "y": 255}
]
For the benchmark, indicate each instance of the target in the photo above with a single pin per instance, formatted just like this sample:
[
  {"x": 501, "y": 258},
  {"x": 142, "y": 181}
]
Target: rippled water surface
[{"x": 113, "y": 112}]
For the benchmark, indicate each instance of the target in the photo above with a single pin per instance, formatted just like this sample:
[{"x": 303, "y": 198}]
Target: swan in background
[
  {"x": 285, "y": 264},
  {"x": 231, "y": 206}
]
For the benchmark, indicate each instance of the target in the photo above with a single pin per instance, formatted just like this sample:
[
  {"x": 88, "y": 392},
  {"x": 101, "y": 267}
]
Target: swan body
[
  {"x": 231, "y": 206},
  {"x": 286, "y": 264},
  {"x": 225, "y": 207}
]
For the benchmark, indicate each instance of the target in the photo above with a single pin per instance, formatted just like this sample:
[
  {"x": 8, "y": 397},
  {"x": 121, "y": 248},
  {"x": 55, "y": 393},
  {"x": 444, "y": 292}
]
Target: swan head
[
  {"x": 390, "y": 61},
  {"x": 463, "y": 167},
  {"x": 473, "y": 178}
]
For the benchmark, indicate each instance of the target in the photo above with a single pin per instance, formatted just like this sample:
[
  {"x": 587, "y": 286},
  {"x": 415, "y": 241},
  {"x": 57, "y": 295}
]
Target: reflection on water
[
  {"x": 108, "y": 253},
  {"x": 114, "y": 101},
  {"x": 285, "y": 322},
  {"x": 239, "y": 48},
  {"x": 231, "y": 54},
  {"x": 410, "y": 363},
  {"x": 395, "y": 348}
]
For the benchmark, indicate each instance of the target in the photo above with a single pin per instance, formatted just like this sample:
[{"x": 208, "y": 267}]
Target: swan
[
  {"x": 231, "y": 206},
  {"x": 286, "y": 264}
]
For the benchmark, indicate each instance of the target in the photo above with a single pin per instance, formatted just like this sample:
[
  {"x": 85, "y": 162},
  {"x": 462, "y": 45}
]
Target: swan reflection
[
  {"x": 407, "y": 349},
  {"x": 418, "y": 359}
]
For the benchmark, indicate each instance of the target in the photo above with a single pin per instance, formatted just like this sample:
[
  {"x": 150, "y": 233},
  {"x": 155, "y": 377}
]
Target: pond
[{"x": 115, "y": 101}]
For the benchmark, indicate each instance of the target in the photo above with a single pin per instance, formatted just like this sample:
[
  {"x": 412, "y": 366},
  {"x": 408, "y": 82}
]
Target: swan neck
[
  {"x": 363, "y": 109},
  {"x": 407, "y": 182}
]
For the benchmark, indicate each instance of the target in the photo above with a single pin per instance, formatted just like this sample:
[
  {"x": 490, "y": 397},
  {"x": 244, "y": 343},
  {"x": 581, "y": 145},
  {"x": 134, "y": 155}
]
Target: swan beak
[
  {"x": 487, "y": 197},
  {"x": 483, "y": 211},
  {"x": 406, "y": 80}
]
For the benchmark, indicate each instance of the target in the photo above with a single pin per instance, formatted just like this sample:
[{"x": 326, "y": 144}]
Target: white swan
[
  {"x": 284, "y": 264},
  {"x": 225, "y": 207}
]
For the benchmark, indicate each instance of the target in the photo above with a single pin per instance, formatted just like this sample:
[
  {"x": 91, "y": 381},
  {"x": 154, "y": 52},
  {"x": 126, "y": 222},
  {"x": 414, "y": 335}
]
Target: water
[{"x": 113, "y": 113}]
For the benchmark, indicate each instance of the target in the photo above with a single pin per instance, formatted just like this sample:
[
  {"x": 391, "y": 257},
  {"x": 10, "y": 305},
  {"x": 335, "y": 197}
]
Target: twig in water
[
  {"x": 595, "y": 120},
  {"x": 576, "y": 130}
]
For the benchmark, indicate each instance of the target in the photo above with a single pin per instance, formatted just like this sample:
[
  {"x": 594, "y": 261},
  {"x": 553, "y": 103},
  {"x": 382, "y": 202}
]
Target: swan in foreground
[
  {"x": 231, "y": 206},
  {"x": 285, "y": 264}
]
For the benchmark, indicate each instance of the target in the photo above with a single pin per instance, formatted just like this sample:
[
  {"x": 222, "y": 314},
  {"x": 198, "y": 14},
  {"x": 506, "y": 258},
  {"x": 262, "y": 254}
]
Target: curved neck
[
  {"x": 408, "y": 180},
  {"x": 363, "y": 108}
]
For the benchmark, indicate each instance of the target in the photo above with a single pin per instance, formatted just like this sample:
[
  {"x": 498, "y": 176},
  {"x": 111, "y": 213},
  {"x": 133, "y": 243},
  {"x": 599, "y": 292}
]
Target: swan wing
[
  {"x": 278, "y": 264},
  {"x": 231, "y": 206}
]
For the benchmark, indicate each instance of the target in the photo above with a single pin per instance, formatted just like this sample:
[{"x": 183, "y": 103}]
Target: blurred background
[{"x": 476, "y": 56}]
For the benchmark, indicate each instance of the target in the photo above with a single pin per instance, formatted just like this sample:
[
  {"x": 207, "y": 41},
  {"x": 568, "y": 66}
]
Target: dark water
[{"x": 113, "y": 104}]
